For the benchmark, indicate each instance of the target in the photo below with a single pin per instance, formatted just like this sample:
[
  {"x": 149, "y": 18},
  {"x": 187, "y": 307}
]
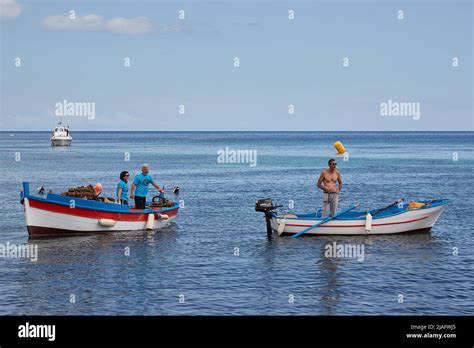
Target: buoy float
[
  {"x": 163, "y": 216},
  {"x": 107, "y": 222},
  {"x": 98, "y": 188},
  {"x": 340, "y": 148},
  {"x": 281, "y": 226},
  {"x": 150, "y": 222},
  {"x": 368, "y": 222}
]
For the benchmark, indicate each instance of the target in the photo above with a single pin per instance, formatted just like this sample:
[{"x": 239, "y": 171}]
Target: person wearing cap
[
  {"x": 122, "y": 188},
  {"x": 140, "y": 184}
]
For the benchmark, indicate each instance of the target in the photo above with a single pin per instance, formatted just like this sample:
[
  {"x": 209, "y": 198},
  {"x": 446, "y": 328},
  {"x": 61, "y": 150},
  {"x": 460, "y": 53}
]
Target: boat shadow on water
[
  {"x": 61, "y": 148},
  {"x": 71, "y": 246},
  {"x": 171, "y": 228},
  {"x": 348, "y": 278}
]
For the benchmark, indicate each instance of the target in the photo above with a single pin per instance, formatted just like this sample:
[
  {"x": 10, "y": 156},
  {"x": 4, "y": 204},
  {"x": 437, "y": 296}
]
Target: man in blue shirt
[{"x": 140, "y": 187}]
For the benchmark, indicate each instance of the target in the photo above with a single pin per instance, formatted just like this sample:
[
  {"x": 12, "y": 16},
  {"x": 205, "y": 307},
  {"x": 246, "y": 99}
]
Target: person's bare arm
[
  {"x": 320, "y": 181},
  {"x": 132, "y": 191},
  {"x": 119, "y": 194},
  {"x": 339, "y": 180},
  {"x": 157, "y": 187}
]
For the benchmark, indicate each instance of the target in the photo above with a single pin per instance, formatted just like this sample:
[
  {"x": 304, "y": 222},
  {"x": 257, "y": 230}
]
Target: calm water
[{"x": 193, "y": 259}]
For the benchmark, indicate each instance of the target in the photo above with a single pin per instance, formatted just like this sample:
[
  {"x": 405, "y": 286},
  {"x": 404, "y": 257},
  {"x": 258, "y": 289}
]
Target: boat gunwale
[
  {"x": 118, "y": 208},
  {"x": 435, "y": 204}
]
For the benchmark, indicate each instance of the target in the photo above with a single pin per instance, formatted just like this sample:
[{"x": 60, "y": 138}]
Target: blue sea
[{"x": 215, "y": 258}]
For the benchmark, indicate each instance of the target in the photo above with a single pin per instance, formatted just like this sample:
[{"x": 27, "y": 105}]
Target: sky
[{"x": 331, "y": 67}]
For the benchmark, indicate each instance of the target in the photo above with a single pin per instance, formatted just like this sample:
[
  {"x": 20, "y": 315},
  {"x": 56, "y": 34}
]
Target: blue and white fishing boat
[
  {"x": 398, "y": 217},
  {"x": 55, "y": 214}
]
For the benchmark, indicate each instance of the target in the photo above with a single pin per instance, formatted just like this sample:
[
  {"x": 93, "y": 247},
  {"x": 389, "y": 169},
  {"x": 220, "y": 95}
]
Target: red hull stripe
[
  {"x": 388, "y": 223},
  {"x": 93, "y": 214}
]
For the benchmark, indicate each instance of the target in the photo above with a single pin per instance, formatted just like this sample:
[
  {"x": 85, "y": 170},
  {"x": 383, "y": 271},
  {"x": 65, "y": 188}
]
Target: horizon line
[{"x": 243, "y": 131}]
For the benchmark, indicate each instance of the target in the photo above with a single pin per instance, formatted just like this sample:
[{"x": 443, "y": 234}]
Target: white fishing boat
[
  {"x": 61, "y": 136},
  {"x": 64, "y": 215},
  {"x": 398, "y": 217}
]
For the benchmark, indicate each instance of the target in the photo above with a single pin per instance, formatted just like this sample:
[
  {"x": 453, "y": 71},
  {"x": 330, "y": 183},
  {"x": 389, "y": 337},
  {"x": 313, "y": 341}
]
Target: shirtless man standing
[{"x": 327, "y": 183}]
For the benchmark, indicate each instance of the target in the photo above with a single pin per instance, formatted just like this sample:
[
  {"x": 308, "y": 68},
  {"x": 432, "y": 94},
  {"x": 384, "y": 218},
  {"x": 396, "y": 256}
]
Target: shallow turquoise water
[{"x": 194, "y": 260}]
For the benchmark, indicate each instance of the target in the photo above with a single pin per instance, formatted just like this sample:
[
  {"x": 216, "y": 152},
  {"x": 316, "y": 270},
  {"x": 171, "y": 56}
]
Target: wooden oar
[
  {"x": 388, "y": 206},
  {"x": 324, "y": 221}
]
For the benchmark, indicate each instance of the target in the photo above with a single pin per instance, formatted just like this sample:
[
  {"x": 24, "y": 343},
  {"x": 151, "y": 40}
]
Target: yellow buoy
[{"x": 339, "y": 147}]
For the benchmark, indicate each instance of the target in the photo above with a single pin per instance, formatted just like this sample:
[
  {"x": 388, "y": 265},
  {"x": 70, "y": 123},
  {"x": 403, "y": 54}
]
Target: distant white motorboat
[{"x": 61, "y": 136}]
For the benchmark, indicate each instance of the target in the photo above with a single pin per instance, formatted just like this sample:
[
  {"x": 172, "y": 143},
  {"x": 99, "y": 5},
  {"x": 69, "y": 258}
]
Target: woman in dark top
[{"x": 122, "y": 188}]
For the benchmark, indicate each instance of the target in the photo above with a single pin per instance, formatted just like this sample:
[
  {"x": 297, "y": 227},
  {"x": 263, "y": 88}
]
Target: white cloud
[
  {"x": 90, "y": 22},
  {"x": 172, "y": 28},
  {"x": 9, "y": 9},
  {"x": 93, "y": 22},
  {"x": 137, "y": 26}
]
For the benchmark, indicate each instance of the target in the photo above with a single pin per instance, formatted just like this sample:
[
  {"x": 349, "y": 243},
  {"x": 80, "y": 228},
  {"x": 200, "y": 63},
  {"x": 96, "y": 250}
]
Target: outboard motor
[{"x": 266, "y": 206}]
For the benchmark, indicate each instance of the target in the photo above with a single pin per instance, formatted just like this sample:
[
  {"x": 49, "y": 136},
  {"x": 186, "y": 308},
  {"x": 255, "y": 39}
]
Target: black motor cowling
[{"x": 267, "y": 207}]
